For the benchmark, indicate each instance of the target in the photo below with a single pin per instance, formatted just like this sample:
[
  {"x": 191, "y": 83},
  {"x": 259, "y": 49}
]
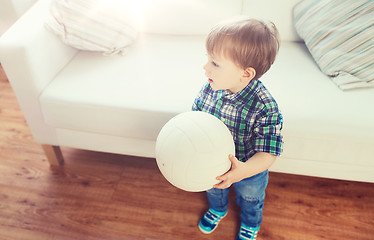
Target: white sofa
[
  {"x": 11, "y": 10},
  {"x": 118, "y": 104}
]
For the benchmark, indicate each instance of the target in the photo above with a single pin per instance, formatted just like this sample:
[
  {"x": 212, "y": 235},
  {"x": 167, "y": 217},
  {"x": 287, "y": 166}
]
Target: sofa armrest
[{"x": 31, "y": 56}]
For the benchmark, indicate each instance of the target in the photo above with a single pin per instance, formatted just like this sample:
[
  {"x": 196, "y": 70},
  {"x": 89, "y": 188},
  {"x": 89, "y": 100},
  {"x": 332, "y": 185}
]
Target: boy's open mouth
[{"x": 210, "y": 80}]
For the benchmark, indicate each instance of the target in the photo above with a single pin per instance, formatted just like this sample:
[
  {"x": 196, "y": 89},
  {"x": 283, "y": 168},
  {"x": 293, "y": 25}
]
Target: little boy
[{"x": 239, "y": 53}]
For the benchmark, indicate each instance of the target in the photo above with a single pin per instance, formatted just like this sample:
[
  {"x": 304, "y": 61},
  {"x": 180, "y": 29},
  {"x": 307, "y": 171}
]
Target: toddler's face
[{"x": 224, "y": 74}]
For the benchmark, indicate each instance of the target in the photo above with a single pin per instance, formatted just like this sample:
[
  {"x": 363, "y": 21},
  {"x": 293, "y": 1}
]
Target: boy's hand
[
  {"x": 258, "y": 163},
  {"x": 233, "y": 175}
]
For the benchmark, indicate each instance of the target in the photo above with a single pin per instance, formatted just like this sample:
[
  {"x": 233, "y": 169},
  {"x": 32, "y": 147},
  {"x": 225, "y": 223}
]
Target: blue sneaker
[
  {"x": 247, "y": 233},
  {"x": 210, "y": 220}
]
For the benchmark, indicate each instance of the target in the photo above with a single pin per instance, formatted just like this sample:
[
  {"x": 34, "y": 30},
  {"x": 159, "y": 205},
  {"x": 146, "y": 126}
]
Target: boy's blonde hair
[{"x": 247, "y": 42}]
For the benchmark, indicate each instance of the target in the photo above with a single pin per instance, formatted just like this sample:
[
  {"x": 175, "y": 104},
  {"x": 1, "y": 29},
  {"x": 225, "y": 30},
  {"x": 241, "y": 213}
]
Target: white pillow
[
  {"x": 107, "y": 26},
  {"x": 340, "y": 36}
]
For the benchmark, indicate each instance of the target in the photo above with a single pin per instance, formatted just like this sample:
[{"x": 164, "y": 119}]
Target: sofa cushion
[
  {"x": 279, "y": 12},
  {"x": 340, "y": 36},
  {"x": 321, "y": 122},
  {"x": 109, "y": 26},
  {"x": 185, "y": 17},
  {"x": 104, "y": 26},
  {"x": 133, "y": 97}
]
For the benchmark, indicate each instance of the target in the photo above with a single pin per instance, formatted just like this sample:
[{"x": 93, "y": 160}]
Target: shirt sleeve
[{"x": 268, "y": 137}]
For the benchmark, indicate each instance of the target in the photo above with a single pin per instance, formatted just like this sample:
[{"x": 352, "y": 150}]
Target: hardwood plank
[
  {"x": 319, "y": 207},
  {"x": 98, "y": 196}
]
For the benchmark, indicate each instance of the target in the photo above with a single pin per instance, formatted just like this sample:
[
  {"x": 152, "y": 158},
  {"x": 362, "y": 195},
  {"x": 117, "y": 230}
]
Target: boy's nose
[{"x": 205, "y": 67}]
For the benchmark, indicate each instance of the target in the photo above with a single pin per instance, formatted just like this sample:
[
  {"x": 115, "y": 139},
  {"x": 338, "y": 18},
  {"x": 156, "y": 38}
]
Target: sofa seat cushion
[
  {"x": 129, "y": 96},
  {"x": 135, "y": 95},
  {"x": 321, "y": 122}
]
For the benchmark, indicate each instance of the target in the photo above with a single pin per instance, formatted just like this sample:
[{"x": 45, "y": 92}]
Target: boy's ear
[{"x": 249, "y": 74}]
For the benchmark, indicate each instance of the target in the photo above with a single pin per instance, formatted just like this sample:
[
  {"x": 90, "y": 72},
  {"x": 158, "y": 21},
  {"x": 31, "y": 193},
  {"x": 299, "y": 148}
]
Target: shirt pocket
[{"x": 240, "y": 132}]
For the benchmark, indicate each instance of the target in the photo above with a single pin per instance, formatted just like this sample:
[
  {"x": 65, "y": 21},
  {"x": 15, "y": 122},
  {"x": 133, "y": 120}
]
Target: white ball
[{"x": 192, "y": 149}]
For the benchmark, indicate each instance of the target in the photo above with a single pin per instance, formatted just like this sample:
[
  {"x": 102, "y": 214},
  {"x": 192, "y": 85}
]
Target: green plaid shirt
[{"x": 251, "y": 115}]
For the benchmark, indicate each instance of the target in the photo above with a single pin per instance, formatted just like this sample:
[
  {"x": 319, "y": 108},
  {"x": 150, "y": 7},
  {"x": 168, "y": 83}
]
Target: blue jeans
[{"x": 250, "y": 196}]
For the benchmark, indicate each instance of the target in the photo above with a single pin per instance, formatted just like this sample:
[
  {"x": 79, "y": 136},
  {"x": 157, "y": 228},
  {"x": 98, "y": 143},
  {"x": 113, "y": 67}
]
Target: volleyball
[{"x": 192, "y": 149}]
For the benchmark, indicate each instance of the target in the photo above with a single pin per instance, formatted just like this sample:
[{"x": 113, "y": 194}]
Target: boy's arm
[
  {"x": 268, "y": 144},
  {"x": 258, "y": 163}
]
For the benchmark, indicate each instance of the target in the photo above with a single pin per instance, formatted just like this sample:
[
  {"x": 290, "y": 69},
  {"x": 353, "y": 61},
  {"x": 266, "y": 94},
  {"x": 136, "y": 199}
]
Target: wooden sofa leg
[{"x": 53, "y": 154}]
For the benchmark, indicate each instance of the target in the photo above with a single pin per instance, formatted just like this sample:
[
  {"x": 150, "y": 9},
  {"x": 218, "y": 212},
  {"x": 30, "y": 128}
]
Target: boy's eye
[{"x": 215, "y": 64}]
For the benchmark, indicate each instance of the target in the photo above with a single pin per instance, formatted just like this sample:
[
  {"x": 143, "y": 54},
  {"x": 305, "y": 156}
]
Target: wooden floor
[{"x": 99, "y": 196}]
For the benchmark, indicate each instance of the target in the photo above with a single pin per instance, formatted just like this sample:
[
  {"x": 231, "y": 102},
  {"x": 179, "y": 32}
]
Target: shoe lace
[
  {"x": 212, "y": 217},
  {"x": 248, "y": 233}
]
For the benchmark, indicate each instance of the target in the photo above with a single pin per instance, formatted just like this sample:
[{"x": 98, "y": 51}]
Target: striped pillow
[
  {"x": 95, "y": 25},
  {"x": 340, "y": 36}
]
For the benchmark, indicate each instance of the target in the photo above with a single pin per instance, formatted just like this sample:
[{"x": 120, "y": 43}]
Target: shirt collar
[{"x": 244, "y": 94}]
